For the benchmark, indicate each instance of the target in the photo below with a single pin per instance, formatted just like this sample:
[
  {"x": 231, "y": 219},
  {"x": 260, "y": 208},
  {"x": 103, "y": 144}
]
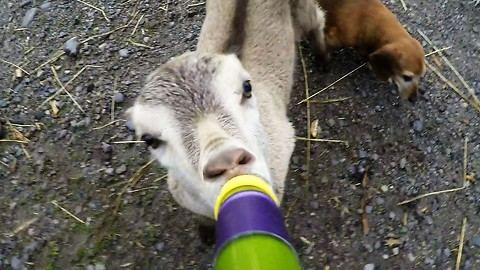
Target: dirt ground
[{"x": 74, "y": 199}]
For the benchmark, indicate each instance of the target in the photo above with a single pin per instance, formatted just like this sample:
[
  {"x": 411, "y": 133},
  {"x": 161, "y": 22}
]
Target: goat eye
[
  {"x": 407, "y": 78},
  {"x": 247, "y": 89},
  {"x": 151, "y": 141}
]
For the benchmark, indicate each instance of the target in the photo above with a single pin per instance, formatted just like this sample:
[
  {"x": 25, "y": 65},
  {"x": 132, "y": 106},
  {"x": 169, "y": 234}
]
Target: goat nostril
[
  {"x": 230, "y": 160},
  {"x": 245, "y": 158}
]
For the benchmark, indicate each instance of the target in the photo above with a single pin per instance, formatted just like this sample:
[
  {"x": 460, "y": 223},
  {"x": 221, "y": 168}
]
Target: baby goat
[{"x": 221, "y": 111}]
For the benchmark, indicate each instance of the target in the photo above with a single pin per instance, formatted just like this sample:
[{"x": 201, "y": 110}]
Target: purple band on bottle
[{"x": 247, "y": 211}]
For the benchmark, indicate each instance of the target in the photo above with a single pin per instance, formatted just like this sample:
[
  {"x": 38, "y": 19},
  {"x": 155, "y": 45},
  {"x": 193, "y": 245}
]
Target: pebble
[
  {"x": 71, "y": 46},
  {"x": 119, "y": 98},
  {"x": 28, "y": 18},
  {"x": 90, "y": 267},
  {"x": 99, "y": 266},
  {"x": 110, "y": 171},
  {"x": 121, "y": 169},
  {"x": 395, "y": 251},
  {"x": 380, "y": 200},
  {"x": 429, "y": 261},
  {"x": 46, "y": 5},
  {"x": 62, "y": 133},
  {"x": 39, "y": 115},
  {"x": 403, "y": 162},
  {"x": 123, "y": 52},
  {"x": 429, "y": 220},
  {"x": 330, "y": 122},
  {"x": 16, "y": 262},
  {"x": 476, "y": 241},
  {"x": 107, "y": 148},
  {"x": 369, "y": 266},
  {"x": 129, "y": 125},
  {"x": 314, "y": 204},
  {"x": 417, "y": 126},
  {"x": 384, "y": 188},
  {"x": 391, "y": 215},
  {"x": 368, "y": 209},
  {"x": 410, "y": 257},
  {"x": 362, "y": 153},
  {"x": 160, "y": 246}
]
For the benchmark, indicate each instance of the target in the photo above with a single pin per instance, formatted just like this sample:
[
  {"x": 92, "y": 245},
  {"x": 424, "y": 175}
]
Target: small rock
[
  {"x": 62, "y": 133},
  {"x": 71, "y": 46},
  {"x": 90, "y": 267},
  {"x": 447, "y": 253},
  {"x": 368, "y": 209},
  {"x": 476, "y": 241},
  {"x": 375, "y": 156},
  {"x": 123, "y": 52},
  {"x": 99, "y": 266},
  {"x": 331, "y": 122},
  {"x": 429, "y": 220},
  {"x": 369, "y": 266},
  {"x": 377, "y": 245},
  {"x": 16, "y": 262},
  {"x": 362, "y": 153},
  {"x": 46, "y": 5},
  {"x": 107, "y": 148},
  {"x": 171, "y": 24},
  {"x": 391, "y": 215},
  {"x": 39, "y": 115},
  {"x": 410, "y": 257},
  {"x": 129, "y": 125},
  {"x": 380, "y": 200},
  {"x": 384, "y": 188},
  {"x": 110, "y": 171},
  {"x": 121, "y": 169},
  {"x": 429, "y": 261},
  {"x": 395, "y": 251},
  {"x": 160, "y": 246},
  {"x": 403, "y": 162},
  {"x": 28, "y": 18},
  {"x": 314, "y": 204},
  {"x": 119, "y": 98},
  {"x": 417, "y": 126}
]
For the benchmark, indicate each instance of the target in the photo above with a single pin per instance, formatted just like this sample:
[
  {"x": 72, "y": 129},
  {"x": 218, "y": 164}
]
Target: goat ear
[{"x": 384, "y": 62}]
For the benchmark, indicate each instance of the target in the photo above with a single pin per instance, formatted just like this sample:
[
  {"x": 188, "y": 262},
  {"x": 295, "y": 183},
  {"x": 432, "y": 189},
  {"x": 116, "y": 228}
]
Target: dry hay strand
[
  {"x": 66, "y": 84},
  {"x": 103, "y": 227},
  {"x": 307, "y": 96},
  {"x": 127, "y": 142},
  {"x": 460, "y": 245},
  {"x": 465, "y": 152},
  {"x": 14, "y": 65},
  {"x": 107, "y": 124},
  {"x": 24, "y": 225},
  {"x": 96, "y": 8},
  {"x": 333, "y": 83},
  {"x": 326, "y": 101},
  {"x": 455, "y": 71},
  {"x": 322, "y": 140},
  {"x": 68, "y": 212},
  {"x": 55, "y": 75},
  {"x": 453, "y": 87},
  {"x": 196, "y": 4},
  {"x": 403, "y": 5}
]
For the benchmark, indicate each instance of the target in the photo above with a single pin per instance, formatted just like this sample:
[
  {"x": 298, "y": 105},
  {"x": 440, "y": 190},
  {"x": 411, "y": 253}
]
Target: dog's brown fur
[{"x": 372, "y": 29}]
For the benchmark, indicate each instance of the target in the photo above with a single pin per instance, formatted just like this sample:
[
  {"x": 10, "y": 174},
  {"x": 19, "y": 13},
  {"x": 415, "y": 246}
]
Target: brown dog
[{"x": 372, "y": 29}]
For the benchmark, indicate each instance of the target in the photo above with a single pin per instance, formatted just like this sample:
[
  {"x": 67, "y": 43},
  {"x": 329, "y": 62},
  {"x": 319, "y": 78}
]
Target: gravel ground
[{"x": 71, "y": 162}]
